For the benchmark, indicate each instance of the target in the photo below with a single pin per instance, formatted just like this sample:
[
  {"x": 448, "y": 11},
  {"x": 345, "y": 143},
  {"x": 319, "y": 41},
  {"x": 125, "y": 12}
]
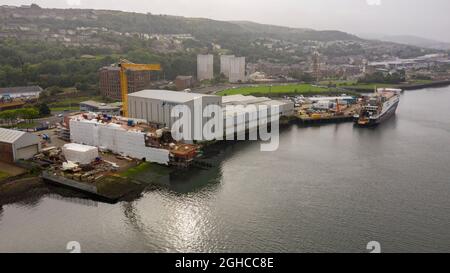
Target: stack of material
[
  {"x": 82, "y": 154},
  {"x": 68, "y": 166}
]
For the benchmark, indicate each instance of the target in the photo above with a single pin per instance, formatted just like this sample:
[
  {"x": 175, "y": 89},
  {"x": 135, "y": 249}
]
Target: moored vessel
[{"x": 378, "y": 107}]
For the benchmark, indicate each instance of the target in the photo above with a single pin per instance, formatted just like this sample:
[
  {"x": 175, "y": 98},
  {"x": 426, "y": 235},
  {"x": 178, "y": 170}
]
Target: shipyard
[
  {"x": 88, "y": 150},
  {"x": 237, "y": 127},
  {"x": 93, "y": 148}
]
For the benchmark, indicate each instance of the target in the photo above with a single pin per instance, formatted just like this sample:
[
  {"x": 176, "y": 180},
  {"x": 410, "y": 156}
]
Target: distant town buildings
[
  {"x": 18, "y": 23},
  {"x": 110, "y": 81},
  {"x": 422, "y": 62},
  {"x": 205, "y": 67}
]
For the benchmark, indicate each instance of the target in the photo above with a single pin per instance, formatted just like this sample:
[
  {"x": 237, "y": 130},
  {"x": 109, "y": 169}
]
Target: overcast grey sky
[{"x": 426, "y": 18}]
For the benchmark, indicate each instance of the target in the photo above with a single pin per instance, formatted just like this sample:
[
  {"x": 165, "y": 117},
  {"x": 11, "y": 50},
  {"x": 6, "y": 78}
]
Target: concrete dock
[{"x": 325, "y": 119}]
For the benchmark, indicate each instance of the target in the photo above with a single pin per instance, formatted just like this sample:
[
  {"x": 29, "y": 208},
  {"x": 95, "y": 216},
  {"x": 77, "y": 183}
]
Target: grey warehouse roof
[
  {"x": 20, "y": 89},
  {"x": 166, "y": 95},
  {"x": 100, "y": 105},
  {"x": 10, "y": 136}
]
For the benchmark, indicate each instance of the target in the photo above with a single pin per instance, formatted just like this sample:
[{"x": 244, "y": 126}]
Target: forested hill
[
  {"x": 159, "y": 24},
  {"x": 67, "y": 46},
  {"x": 295, "y": 34}
]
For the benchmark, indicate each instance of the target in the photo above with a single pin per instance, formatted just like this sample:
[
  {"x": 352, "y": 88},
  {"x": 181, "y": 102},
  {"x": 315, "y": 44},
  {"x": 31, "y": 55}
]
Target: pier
[
  {"x": 108, "y": 190},
  {"x": 325, "y": 119}
]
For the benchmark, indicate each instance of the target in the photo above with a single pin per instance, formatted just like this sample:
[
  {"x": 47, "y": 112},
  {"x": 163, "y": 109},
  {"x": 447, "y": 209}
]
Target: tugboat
[{"x": 378, "y": 107}]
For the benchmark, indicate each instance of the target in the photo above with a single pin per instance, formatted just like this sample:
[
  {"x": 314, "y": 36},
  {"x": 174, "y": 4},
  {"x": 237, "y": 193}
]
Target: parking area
[{"x": 54, "y": 141}]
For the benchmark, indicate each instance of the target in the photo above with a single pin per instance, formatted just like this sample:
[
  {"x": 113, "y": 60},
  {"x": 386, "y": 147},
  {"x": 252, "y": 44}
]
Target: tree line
[{"x": 53, "y": 64}]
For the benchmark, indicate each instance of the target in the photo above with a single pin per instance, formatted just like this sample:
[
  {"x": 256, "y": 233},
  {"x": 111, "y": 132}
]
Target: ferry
[{"x": 378, "y": 107}]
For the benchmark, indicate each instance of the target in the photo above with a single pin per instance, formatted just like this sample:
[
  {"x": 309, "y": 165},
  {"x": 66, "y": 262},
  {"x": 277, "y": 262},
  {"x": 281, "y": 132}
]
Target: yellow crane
[{"x": 127, "y": 66}]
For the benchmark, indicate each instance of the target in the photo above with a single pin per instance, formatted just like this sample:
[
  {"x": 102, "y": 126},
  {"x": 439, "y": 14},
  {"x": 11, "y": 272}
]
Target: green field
[
  {"x": 61, "y": 109},
  {"x": 369, "y": 86},
  {"x": 275, "y": 90},
  {"x": 3, "y": 175},
  {"x": 23, "y": 125},
  {"x": 144, "y": 168},
  {"x": 355, "y": 85},
  {"x": 71, "y": 104}
]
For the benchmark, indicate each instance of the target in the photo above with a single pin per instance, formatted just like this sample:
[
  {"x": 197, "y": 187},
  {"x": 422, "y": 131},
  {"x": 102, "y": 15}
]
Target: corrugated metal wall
[{"x": 6, "y": 152}]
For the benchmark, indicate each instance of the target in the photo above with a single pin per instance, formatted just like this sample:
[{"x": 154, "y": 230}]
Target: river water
[{"x": 329, "y": 188}]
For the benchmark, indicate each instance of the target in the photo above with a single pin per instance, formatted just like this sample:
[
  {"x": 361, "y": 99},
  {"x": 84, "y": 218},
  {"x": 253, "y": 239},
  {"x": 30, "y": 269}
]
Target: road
[{"x": 55, "y": 118}]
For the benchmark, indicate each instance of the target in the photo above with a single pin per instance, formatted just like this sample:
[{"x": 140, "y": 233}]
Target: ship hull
[{"x": 385, "y": 116}]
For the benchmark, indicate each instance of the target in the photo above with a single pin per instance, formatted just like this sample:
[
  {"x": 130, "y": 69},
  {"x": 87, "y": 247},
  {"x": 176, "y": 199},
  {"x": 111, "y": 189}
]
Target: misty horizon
[{"x": 358, "y": 17}]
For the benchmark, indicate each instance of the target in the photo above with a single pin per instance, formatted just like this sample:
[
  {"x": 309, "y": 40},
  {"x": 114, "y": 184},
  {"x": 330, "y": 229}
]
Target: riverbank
[
  {"x": 15, "y": 189},
  {"x": 111, "y": 188},
  {"x": 407, "y": 86}
]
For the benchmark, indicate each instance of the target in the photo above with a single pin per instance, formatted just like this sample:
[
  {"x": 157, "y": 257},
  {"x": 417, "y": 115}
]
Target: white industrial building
[
  {"x": 155, "y": 106},
  {"x": 225, "y": 64},
  {"x": 251, "y": 122},
  {"x": 115, "y": 138},
  {"x": 237, "y": 69},
  {"x": 205, "y": 67},
  {"x": 17, "y": 145},
  {"x": 21, "y": 92},
  {"x": 286, "y": 108}
]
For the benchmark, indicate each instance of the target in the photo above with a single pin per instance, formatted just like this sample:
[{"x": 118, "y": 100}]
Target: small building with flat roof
[
  {"x": 112, "y": 109},
  {"x": 184, "y": 82}
]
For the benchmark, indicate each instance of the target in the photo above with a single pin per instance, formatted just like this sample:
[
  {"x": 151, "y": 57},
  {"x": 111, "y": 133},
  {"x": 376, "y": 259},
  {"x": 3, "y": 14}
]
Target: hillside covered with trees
[{"x": 66, "y": 47}]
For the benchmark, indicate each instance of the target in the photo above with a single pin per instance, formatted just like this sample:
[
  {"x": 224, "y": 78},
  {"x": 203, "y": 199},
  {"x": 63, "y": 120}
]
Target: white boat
[{"x": 378, "y": 107}]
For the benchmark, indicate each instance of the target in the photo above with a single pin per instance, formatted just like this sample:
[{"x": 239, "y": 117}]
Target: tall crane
[{"x": 128, "y": 66}]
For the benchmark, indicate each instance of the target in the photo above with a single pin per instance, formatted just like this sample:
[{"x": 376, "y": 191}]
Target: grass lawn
[
  {"x": 3, "y": 175},
  {"x": 370, "y": 86},
  {"x": 276, "y": 89},
  {"x": 354, "y": 84},
  {"x": 23, "y": 125},
  {"x": 27, "y": 125},
  {"x": 71, "y": 104},
  {"x": 145, "y": 167},
  {"x": 117, "y": 185},
  {"x": 61, "y": 109}
]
